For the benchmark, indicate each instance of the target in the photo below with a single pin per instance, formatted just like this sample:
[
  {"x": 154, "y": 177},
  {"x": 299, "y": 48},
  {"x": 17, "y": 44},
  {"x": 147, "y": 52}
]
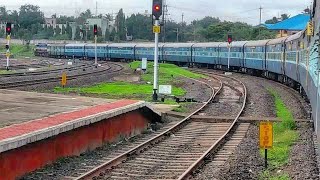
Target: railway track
[
  {"x": 47, "y": 71},
  {"x": 110, "y": 68},
  {"x": 180, "y": 151}
]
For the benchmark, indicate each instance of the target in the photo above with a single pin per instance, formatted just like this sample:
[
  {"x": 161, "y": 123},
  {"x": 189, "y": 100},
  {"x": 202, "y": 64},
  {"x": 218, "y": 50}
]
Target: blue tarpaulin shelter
[{"x": 296, "y": 23}]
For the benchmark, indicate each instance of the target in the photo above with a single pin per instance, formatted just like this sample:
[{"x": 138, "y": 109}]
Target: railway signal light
[
  {"x": 157, "y": 8},
  {"x": 8, "y": 28},
  {"x": 229, "y": 39},
  {"x": 95, "y": 29}
]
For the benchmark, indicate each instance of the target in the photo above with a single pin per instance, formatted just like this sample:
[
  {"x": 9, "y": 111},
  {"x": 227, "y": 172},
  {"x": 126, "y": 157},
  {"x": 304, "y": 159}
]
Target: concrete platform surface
[
  {"x": 47, "y": 115},
  {"x": 19, "y": 106}
]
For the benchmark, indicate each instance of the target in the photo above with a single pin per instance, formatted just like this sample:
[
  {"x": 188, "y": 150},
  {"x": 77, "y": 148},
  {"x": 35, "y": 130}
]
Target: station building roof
[{"x": 296, "y": 23}]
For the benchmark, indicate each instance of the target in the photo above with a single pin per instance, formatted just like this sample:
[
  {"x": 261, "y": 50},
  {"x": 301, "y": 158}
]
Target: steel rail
[
  {"x": 220, "y": 141},
  {"x": 53, "y": 79},
  {"x": 142, "y": 147}
]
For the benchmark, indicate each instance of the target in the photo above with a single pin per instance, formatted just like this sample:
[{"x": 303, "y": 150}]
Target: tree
[
  {"x": 120, "y": 23},
  {"x": 78, "y": 37},
  {"x": 307, "y": 11},
  {"x": 65, "y": 19},
  {"x": 63, "y": 31},
  {"x": 107, "y": 35},
  {"x": 69, "y": 31},
  {"x": 274, "y": 20},
  {"x": 4, "y": 16},
  {"x": 284, "y": 17},
  {"x": 28, "y": 15},
  {"x": 57, "y": 30},
  {"x": 84, "y": 16},
  {"x": 50, "y": 31}
]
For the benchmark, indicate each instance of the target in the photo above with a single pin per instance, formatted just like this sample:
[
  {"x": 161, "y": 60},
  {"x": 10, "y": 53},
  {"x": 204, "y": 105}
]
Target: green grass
[
  {"x": 169, "y": 74},
  {"x": 19, "y": 50},
  {"x": 6, "y": 72},
  {"x": 266, "y": 175},
  {"x": 120, "y": 90},
  {"x": 284, "y": 137}
]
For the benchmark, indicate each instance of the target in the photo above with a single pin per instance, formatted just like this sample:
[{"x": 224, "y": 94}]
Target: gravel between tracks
[
  {"x": 246, "y": 162},
  {"x": 80, "y": 81}
]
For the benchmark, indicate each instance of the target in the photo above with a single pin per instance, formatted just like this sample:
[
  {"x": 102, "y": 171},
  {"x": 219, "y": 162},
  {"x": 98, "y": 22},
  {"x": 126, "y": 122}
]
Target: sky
[{"x": 231, "y": 10}]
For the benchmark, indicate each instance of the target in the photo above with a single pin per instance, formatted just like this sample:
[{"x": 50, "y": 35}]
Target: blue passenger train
[{"x": 292, "y": 60}]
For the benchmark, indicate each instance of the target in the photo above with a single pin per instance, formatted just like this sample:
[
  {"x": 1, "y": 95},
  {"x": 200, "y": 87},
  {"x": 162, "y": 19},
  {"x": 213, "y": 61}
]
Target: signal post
[
  {"x": 229, "y": 48},
  {"x": 95, "y": 32},
  {"x": 156, "y": 12},
  {"x": 8, "y": 32}
]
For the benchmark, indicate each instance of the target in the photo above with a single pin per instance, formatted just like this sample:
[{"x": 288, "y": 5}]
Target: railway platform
[{"x": 37, "y": 128}]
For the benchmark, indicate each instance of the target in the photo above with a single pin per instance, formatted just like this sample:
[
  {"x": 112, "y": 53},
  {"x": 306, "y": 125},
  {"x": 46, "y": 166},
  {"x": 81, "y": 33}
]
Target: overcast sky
[{"x": 233, "y": 10}]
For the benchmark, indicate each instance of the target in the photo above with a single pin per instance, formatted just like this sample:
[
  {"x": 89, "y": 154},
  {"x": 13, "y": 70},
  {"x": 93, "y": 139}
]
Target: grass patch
[
  {"x": 19, "y": 50},
  {"x": 168, "y": 75},
  {"x": 6, "y": 72},
  {"x": 120, "y": 90},
  {"x": 266, "y": 175},
  {"x": 167, "y": 72},
  {"x": 284, "y": 137}
]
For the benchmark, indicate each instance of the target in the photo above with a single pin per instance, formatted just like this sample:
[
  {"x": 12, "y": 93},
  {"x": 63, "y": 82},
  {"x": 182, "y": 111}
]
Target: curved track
[
  {"x": 57, "y": 70},
  {"x": 110, "y": 68},
  {"x": 177, "y": 152}
]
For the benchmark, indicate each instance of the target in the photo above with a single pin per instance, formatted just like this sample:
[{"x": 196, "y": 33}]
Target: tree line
[{"x": 28, "y": 24}]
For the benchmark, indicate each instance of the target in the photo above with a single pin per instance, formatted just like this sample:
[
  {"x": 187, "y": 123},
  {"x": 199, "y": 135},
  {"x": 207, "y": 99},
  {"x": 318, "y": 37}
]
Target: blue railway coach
[
  {"x": 178, "y": 52},
  {"x": 255, "y": 55},
  {"x": 102, "y": 51},
  {"x": 236, "y": 55},
  {"x": 122, "y": 51},
  {"x": 75, "y": 50},
  {"x": 292, "y": 49},
  {"x": 275, "y": 56},
  {"x": 206, "y": 53}
]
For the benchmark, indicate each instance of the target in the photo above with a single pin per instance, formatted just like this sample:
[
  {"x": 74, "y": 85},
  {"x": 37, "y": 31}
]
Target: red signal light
[
  {"x": 157, "y": 7},
  {"x": 95, "y": 29},
  {"x": 229, "y": 39},
  {"x": 8, "y": 28}
]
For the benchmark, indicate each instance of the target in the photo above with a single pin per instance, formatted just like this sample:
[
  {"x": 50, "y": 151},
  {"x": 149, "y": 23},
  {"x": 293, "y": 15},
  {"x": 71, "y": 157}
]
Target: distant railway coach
[
  {"x": 122, "y": 51},
  {"x": 75, "y": 50},
  {"x": 41, "y": 49}
]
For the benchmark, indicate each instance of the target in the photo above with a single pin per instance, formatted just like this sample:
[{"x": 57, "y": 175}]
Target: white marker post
[{"x": 156, "y": 52}]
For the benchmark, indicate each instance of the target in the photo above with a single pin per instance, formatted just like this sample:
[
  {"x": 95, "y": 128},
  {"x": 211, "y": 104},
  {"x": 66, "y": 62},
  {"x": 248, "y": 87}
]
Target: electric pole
[
  {"x": 260, "y": 15},
  {"x": 260, "y": 21},
  {"x": 177, "y": 31},
  {"x": 96, "y": 8},
  {"x": 182, "y": 19},
  {"x": 164, "y": 20}
]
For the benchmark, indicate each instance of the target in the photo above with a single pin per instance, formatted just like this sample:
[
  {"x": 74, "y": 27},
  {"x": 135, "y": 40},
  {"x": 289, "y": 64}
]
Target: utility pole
[
  {"x": 177, "y": 31},
  {"x": 260, "y": 21},
  {"x": 182, "y": 19},
  {"x": 164, "y": 21},
  {"x": 96, "y": 8},
  {"x": 260, "y": 15}
]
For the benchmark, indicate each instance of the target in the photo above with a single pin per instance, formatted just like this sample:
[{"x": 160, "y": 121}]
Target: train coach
[{"x": 286, "y": 60}]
